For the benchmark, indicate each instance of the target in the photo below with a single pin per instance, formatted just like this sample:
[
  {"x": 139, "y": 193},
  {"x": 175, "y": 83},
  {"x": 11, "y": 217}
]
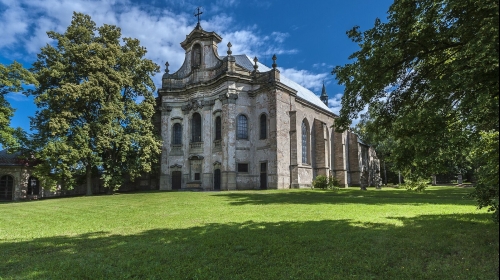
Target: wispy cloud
[
  {"x": 17, "y": 96},
  {"x": 334, "y": 103},
  {"x": 312, "y": 81},
  {"x": 25, "y": 23}
]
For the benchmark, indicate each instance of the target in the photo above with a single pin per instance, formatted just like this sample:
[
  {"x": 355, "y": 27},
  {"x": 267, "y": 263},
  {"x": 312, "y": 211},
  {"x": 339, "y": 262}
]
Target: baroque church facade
[{"x": 230, "y": 123}]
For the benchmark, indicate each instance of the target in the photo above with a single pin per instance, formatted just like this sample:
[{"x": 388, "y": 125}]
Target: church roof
[
  {"x": 7, "y": 159},
  {"x": 302, "y": 92}
]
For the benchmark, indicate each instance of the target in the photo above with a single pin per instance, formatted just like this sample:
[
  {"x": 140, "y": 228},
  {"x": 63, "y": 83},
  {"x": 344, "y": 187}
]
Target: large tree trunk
[{"x": 89, "y": 179}]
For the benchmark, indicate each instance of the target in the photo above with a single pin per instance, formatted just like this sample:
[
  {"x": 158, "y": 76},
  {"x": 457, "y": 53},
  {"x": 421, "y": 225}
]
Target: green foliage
[
  {"x": 320, "y": 182},
  {"x": 417, "y": 184},
  {"x": 12, "y": 78},
  {"x": 95, "y": 100},
  {"x": 323, "y": 182},
  {"x": 429, "y": 77},
  {"x": 487, "y": 188},
  {"x": 333, "y": 183}
]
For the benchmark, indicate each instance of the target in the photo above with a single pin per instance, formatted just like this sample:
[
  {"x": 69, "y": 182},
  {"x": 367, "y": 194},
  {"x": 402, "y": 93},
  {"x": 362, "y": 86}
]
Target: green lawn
[{"x": 293, "y": 234}]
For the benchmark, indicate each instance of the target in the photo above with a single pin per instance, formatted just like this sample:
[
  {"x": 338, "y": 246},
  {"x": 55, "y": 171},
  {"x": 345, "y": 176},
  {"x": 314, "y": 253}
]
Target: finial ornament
[
  {"x": 255, "y": 65},
  {"x": 198, "y": 15},
  {"x": 229, "y": 52},
  {"x": 274, "y": 61},
  {"x": 166, "y": 67}
]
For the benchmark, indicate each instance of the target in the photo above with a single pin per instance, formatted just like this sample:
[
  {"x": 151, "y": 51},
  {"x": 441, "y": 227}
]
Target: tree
[
  {"x": 95, "y": 100},
  {"x": 12, "y": 78},
  {"x": 429, "y": 76}
]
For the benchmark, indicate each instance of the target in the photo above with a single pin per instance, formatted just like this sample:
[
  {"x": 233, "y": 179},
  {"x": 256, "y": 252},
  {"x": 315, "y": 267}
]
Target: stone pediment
[{"x": 201, "y": 35}]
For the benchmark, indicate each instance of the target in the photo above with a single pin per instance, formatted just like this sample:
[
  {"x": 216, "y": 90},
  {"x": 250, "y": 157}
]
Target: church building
[{"x": 231, "y": 123}]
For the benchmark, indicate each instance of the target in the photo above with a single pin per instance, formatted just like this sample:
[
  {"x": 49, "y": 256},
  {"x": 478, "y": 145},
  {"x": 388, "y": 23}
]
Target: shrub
[
  {"x": 320, "y": 182},
  {"x": 417, "y": 185},
  {"x": 323, "y": 182}
]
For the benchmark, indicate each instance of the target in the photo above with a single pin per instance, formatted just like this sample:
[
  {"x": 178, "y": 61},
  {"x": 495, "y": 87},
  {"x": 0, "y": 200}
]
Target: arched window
[
  {"x": 196, "y": 128},
  {"x": 263, "y": 126},
  {"x": 196, "y": 56},
  {"x": 305, "y": 142},
  {"x": 218, "y": 128},
  {"x": 33, "y": 186},
  {"x": 6, "y": 186},
  {"x": 242, "y": 127},
  {"x": 177, "y": 134}
]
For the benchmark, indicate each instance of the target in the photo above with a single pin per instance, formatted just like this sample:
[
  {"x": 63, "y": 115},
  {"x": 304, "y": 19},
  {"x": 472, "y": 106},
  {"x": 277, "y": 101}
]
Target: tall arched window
[
  {"x": 6, "y": 186},
  {"x": 196, "y": 56},
  {"x": 242, "y": 127},
  {"x": 218, "y": 128},
  {"x": 177, "y": 134},
  {"x": 263, "y": 126},
  {"x": 196, "y": 128},
  {"x": 305, "y": 142}
]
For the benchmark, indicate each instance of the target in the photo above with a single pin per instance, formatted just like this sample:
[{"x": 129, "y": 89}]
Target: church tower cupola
[{"x": 324, "y": 95}]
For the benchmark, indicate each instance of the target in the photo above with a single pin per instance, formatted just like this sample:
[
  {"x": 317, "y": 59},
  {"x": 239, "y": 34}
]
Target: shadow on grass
[
  {"x": 372, "y": 196},
  {"x": 425, "y": 247}
]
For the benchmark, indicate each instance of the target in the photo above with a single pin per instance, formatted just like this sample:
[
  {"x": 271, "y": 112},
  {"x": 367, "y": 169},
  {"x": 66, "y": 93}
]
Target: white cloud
[
  {"x": 334, "y": 103},
  {"x": 17, "y": 96},
  {"x": 25, "y": 23},
  {"x": 279, "y": 36},
  {"x": 310, "y": 80}
]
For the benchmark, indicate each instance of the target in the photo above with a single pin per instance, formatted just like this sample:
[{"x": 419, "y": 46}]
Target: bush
[
  {"x": 417, "y": 185},
  {"x": 320, "y": 182},
  {"x": 323, "y": 182}
]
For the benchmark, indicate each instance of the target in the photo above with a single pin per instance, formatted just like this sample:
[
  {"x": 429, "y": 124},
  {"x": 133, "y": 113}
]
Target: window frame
[
  {"x": 242, "y": 164},
  {"x": 196, "y": 128},
  {"x": 175, "y": 136},
  {"x": 218, "y": 128},
  {"x": 305, "y": 141},
  {"x": 263, "y": 126},
  {"x": 240, "y": 128}
]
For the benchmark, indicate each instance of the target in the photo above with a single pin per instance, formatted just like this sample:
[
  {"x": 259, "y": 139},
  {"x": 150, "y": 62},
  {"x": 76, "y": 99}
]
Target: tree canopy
[
  {"x": 429, "y": 77},
  {"x": 12, "y": 78},
  {"x": 96, "y": 103}
]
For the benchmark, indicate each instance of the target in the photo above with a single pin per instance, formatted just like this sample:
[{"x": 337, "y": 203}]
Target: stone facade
[{"x": 230, "y": 122}]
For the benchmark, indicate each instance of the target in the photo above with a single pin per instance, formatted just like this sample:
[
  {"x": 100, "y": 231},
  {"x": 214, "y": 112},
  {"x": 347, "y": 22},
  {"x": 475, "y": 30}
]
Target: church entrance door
[
  {"x": 176, "y": 180},
  {"x": 217, "y": 179},
  {"x": 263, "y": 175}
]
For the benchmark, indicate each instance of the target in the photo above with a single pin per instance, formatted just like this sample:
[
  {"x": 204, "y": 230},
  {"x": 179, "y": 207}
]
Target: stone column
[
  {"x": 164, "y": 175},
  {"x": 207, "y": 138},
  {"x": 228, "y": 172},
  {"x": 294, "y": 173}
]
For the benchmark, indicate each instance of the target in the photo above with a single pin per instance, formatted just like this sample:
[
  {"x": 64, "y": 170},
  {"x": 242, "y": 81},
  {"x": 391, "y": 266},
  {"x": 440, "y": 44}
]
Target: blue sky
[{"x": 308, "y": 37}]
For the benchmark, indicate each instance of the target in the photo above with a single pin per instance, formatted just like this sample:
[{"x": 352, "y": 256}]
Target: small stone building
[
  {"x": 16, "y": 181},
  {"x": 230, "y": 123}
]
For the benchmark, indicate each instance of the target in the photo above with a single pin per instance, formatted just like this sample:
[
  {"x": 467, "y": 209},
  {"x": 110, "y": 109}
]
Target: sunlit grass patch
[{"x": 298, "y": 234}]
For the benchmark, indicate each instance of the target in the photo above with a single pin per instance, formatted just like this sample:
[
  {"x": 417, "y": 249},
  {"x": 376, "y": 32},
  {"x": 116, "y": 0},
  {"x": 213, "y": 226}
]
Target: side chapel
[{"x": 230, "y": 123}]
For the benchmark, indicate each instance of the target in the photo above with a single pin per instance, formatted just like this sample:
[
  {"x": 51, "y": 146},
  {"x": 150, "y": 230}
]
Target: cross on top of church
[{"x": 198, "y": 14}]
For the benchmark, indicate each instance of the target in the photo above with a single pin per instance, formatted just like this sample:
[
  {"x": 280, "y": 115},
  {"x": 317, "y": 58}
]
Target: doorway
[
  {"x": 217, "y": 180},
  {"x": 263, "y": 175},
  {"x": 176, "y": 180}
]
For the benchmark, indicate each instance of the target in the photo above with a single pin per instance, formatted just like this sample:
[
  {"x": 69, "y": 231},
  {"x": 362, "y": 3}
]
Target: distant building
[{"x": 16, "y": 181}]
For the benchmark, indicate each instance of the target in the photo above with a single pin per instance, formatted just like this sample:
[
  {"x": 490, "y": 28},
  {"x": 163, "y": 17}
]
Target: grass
[{"x": 293, "y": 234}]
